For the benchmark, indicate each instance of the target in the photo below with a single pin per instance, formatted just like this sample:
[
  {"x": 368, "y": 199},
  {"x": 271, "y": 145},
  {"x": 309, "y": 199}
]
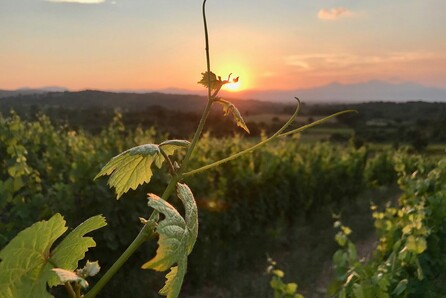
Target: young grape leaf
[
  {"x": 131, "y": 168},
  {"x": 27, "y": 260},
  {"x": 216, "y": 83},
  {"x": 191, "y": 213},
  {"x": 177, "y": 237},
  {"x": 70, "y": 276},
  {"x": 230, "y": 108},
  {"x": 174, "y": 279},
  {"x": 90, "y": 269}
]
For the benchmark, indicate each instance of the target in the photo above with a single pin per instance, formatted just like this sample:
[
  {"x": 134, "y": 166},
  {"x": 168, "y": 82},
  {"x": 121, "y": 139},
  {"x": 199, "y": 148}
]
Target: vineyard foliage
[
  {"x": 410, "y": 258},
  {"x": 47, "y": 170}
]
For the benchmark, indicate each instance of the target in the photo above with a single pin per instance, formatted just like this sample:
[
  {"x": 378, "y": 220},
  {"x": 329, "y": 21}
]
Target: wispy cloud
[
  {"x": 352, "y": 61},
  {"x": 77, "y": 1},
  {"x": 334, "y": 13}
]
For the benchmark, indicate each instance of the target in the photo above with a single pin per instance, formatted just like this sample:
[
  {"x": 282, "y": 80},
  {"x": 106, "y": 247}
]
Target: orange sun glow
[
  {"x": 233, "y": 87},
  {"x": 236, "y": 69}
]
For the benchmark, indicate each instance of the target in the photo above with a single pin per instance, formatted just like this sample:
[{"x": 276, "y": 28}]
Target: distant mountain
[
  {"x": 352, "y": 93},
  {"x": 331, "y": 93},
  {"x": 27, "y": 91},
  {"x": 125, "y": 101}
]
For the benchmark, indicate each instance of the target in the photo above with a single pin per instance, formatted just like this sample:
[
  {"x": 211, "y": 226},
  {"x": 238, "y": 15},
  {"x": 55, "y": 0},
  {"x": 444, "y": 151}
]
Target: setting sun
[
  {"x": 233, "y": 87},
  {"x": 238, "y": 70}
]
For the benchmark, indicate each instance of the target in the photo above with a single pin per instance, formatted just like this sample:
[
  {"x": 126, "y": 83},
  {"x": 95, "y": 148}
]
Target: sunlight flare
[
  {"x": 233, "y": 87},
  {"x": 236, "y": 69}
]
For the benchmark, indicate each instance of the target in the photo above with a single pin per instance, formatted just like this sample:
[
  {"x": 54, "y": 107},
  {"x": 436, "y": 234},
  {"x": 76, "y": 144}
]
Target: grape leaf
[
  {"x": 191, "y": 213},
  {"x": 24, "y": 269},
  {"x": 90, "y": 269},
  {"x": 177, "y": 237},
  {"x": 230, "y": 108},
  {"x": 70, "y": 276},
  {"x": 216, "y": 83},
  {"x": 174, "y": 279},
  {"x": 132, "y": 167},
  {"x": 27, "y": 260},
  {"x": 73, "y": 247}
]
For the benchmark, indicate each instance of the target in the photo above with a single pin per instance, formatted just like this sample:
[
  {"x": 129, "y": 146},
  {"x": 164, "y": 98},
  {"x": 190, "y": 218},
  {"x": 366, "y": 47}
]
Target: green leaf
[
  {"x": 73, "y": 247},
  {"x": 24, "y": 270},
  {"x": 341, "y": 238},
  {"x": 177, "y": 237},
  {"x": 401, "y": 287},
  {"x": 70, "y": 276},
  {"x": 191, "y": 213},
  {"x": 27, "y": 260},
  {"x": 132, "y": 167},
  {"x": 230, "y": 108},
  {"x": 216, "y": 83},
  {"x": 278, "y": 273},
  {"x": 291, "y": 288},
  {"x": 174, "y": 281},
  {"x": 172, "y": 235},
  {"x": 416, "y": 244},
  {"x": 358, "y": 291}
]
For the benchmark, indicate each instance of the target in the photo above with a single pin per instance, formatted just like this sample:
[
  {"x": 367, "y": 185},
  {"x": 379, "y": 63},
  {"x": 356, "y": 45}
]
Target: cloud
[
  {"x": 334, "y": 13},
  {"x": 77, "y": 1},
  {"x": 330, "y": 62}
]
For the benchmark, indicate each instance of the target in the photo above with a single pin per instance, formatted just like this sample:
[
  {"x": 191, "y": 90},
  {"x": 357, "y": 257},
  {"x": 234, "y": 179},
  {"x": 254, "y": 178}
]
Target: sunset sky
[{"x": 282, "y": 44}]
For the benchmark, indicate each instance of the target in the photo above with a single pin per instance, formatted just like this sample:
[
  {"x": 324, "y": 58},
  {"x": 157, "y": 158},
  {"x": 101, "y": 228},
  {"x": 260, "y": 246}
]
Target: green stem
[
  {"x": 145, "y": 234},
  {"x": 258, "y": 145},
  {"x": 169, "y": 162},
  {"x": 147, "y": 231},
  {"x": 207, "y": 109},
  {"x": 77, "y": 288},
  {"x": 302, "y": 128},
  {"x": 277, "y": 134},
  {"x": 70, "y": 290}
]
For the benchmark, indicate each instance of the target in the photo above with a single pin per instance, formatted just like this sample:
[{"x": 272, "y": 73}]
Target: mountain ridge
[{"x": 335, "y": 92}]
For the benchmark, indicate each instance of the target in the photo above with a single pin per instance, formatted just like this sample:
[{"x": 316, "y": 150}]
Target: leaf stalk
[
  {"x": 70, "y": 290},
  {"x": 145, "y": 234}
]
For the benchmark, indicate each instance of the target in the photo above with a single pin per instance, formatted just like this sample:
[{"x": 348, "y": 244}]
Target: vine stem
[
  {"x": 277, "y": 134},
  {"x": 77, "y": 289},
  {"x": 205, "y": 114},
  {"x": 148, "y": 229},
  {"x": 70, "y": 290},
  {"x": 302, "y": 128},
  {"x": 145, "y": 234},
  {"x": 258, "y": 145}
]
